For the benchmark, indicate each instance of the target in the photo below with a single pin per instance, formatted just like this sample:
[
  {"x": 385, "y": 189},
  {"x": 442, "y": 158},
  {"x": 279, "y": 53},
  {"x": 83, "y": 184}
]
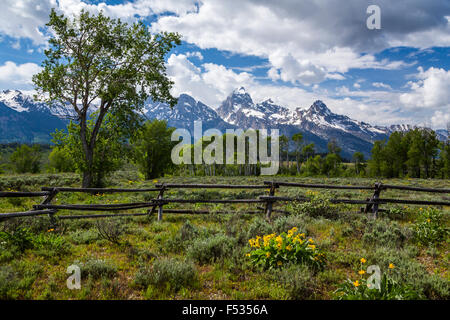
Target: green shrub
[
  {"x": 386, "y": 233},
  {"x": 50, "y": 244},
  {"x": 274, "y": 251},
  {"x": 110, "y": 230},
  {"x": 97, "y": 268},
  {"x": 410, "y": 272},
  {"x": 318, "y": 206},
  {"x": 211, "y": 249},
  {"x": 167, "y": 272},
  {"x": 286, "y": 223},
  {"x": 430, "y": 227},
  {"x": 259, "y": 226},
  {"x": 8, "y": 283},
  {"x": 22, "y": 238},
  {"x": 235, "y": 227},
  {"x": 298, "y": 281},
  {"x": 389, "y": 290},
  {"x": 389, "y": 287},
  {"x": 84, "y": 236}
]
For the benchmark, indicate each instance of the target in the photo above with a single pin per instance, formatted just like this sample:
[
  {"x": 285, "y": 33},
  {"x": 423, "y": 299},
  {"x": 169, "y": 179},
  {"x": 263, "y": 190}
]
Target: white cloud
[
  {"x": 27, "y": 18},
  {"x": 17, "y": 76},
  {"x": 381, "y": 85},
  {"x": 430, "y": 91},
  {"x": 212, "y": 83},
  {"x": 306, "y": 41},
  {"x": 440, "y": 120},
  {"x": 196, "y": 54}
]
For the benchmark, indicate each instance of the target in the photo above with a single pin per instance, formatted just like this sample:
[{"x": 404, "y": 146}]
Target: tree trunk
[{"x": 88, "y": 174}]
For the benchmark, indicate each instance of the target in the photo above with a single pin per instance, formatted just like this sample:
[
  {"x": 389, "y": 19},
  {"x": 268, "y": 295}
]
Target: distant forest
[{"x": 413, "y": 154}]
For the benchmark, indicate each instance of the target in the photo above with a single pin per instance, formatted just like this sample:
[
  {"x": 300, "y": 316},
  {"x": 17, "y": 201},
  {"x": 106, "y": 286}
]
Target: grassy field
[{"x": 207, "y": 256}]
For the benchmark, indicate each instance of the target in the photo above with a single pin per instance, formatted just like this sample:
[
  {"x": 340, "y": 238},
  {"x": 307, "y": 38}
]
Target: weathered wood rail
[{"x": 47, "y": 208}]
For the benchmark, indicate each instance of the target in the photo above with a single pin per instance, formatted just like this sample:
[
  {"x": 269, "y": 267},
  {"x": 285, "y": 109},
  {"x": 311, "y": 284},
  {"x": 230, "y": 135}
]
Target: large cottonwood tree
[{"x": 98, "y": 64}]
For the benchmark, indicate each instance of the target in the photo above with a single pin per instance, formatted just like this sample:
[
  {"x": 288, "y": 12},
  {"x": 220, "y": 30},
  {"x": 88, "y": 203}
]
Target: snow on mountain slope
[{"x": 23, "y": 119}]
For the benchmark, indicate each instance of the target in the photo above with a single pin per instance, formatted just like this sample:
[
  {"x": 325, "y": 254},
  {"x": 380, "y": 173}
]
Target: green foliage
[
  {"x": 386, "y": 233},
  {"x": 274, "y": 251},
  {"x": 298, "y": 280},
  {"x": 411, "y": 153},
  {"x": 51, "y": 244},
  {"x": 22, "y": 238},
  {"x": 96, "y": 268},
  {"x": 286, "y": 223},
  {"x": 26, "y": 159},
  {"x": 319, "y": 205},
  {"x": 167, "y": 272},
  {"x": 430, "y": 227},
  {"x": 411, "y": 273},
  {"x": 84, "y": 236},
  {"x": 389, "y": 290},
  {"x": 110, "y": 230},
  {"x": 107, "y": 153},
  {"x": 60, "y": 160},
  {"x": 259, "y": 226},
  {"x": 211, "y": 249},
  {"x": 94, "y": 62},
  {"x": 8, "y": 283},
  {"x": 152, "y": 148}
]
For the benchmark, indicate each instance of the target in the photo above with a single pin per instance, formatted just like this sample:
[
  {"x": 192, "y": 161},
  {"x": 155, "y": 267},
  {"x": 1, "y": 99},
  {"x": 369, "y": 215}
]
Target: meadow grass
[{"x": 205, "y": 256}]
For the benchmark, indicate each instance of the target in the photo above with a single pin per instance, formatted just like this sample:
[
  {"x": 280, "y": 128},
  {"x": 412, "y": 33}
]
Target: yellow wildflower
[
  {"x": 279, "y": 263},
  {"x": 363, "y": 260},
  {"x": 391, "y": 266},
  {"x": 311, "y": 240},
  {"x": 268, "y": 254},
  {"x": 312, "y": 246},
  {"x": 51, "y": 230},
  {"x": 289, "y": 248},
  {"x": 361, "y": 272},
  {"x": 248, "y": 254},
  {"x": 356, "y": 283}
]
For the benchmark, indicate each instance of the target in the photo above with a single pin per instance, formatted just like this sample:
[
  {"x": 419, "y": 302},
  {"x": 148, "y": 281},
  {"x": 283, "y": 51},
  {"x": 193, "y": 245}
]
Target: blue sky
[{"x": 294, "y": 52}]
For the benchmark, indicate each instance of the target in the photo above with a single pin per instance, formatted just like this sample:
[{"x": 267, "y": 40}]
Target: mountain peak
[
  {"x": 268, "y": 101},
  {"x": 241, "y": 90},
  {"x": 319, "y": 107}
]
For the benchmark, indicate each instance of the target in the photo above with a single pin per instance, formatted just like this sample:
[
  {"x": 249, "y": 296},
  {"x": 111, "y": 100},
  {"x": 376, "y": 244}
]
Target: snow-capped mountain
[
  {"x": 184, "y": 113},
  {"x": 24, "y": 120}
]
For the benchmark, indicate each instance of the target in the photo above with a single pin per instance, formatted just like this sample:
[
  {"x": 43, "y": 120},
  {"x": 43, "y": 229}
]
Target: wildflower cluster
[
  {"x": 274, "y": 251},
  {"x": 365, "y": 289}
]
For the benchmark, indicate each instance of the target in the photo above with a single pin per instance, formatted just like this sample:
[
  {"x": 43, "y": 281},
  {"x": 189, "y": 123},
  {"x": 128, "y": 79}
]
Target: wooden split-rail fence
[{"x": 372, "y": 204}]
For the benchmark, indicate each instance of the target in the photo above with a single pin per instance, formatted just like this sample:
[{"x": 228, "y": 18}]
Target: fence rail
[{"x": 47, "y": 208}]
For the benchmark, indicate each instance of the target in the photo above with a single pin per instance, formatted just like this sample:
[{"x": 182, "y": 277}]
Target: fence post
[
  {"x": 49, "y": 199},
  {"x": 269, "y": 203},
  {"x": 160, "y": 197},
  {"x": 374, "y": 206}
]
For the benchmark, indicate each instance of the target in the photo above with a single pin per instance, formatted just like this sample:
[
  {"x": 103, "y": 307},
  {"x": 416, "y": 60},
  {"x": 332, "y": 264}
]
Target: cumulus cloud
[
  {"x": 17, "y": 76},
  {"x": 27, "y": 18},
  {"x": 382, "y": 85},
  {"x": 431, "y": 90},
  {"x": 305, "y": 41},
  {"x": 212, "y": 83}
]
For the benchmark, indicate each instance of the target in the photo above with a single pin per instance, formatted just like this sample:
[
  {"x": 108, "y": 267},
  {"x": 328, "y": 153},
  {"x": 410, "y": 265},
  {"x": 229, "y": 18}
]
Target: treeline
[{"x": 417, "y": 154}]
